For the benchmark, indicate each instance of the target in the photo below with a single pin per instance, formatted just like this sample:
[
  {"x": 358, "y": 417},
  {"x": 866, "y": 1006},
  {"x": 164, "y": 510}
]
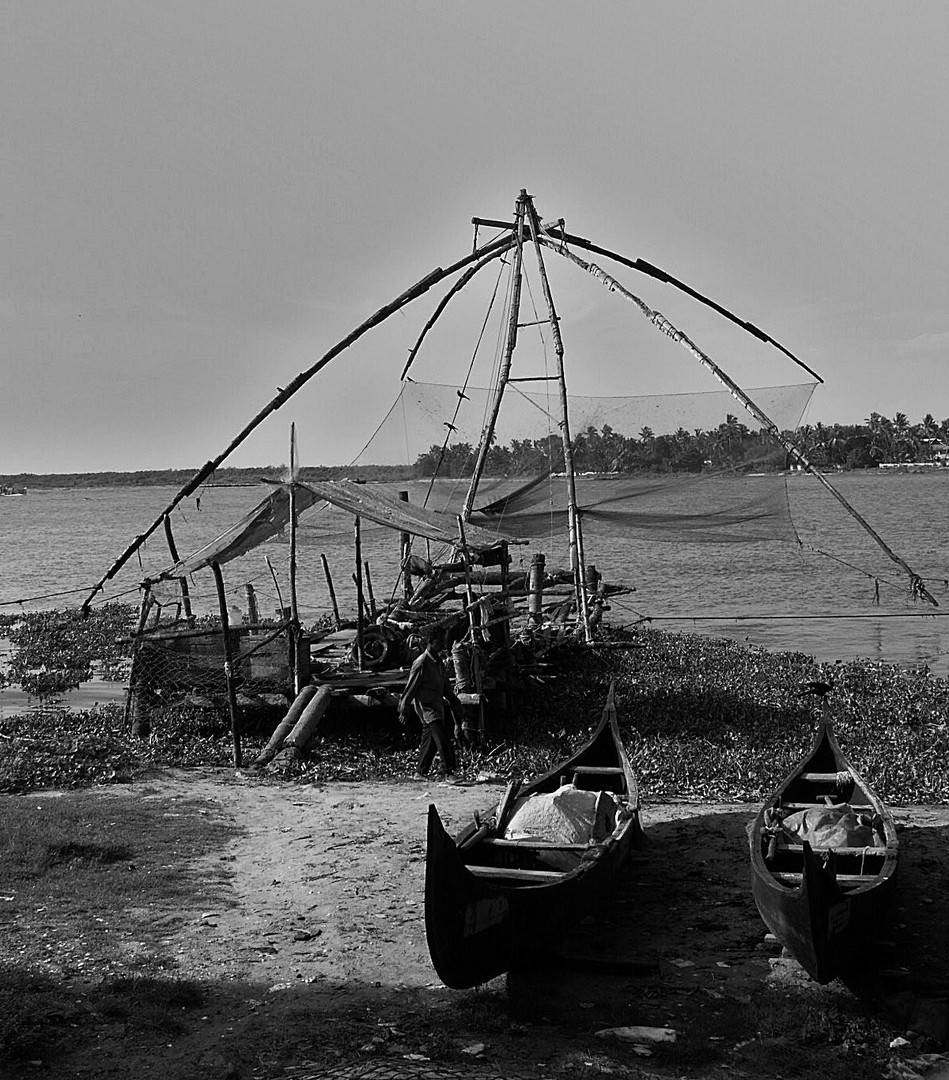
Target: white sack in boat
[
  {"x": 832, "y": 826},
  {"x": 566, "y": 816}
]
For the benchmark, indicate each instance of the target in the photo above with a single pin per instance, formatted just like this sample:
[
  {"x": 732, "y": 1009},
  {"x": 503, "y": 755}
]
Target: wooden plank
[
  {"x": 598, "y": 770},
  {"x": 855, "y": 879},
  {"x": 875, "y": 851},
  {"x": 509, "y": 873},
  {"x": 533, "y": 845}
]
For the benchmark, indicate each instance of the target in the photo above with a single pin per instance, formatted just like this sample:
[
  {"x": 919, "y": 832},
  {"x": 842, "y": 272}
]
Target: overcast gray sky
[{"x": 198, "y": 199}]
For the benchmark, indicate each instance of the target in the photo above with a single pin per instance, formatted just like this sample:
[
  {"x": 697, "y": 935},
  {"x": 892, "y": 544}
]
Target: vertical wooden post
[
  {"x": 136, "y": 707},
  {"x": 228, "y": 665},
  {"x": 371, "y": 611},
  {"x": 506, "y": 623},
  {"x": 294, "y": 628},
  {"x": 469, "y": 592},
  {"x": 329, "y": 584},
  {"x": 405, "y": 549},
  {"x": 360, "y": 653},
  {"x": 182, "y": 581},
  {"x": 535, "y": 603},
  {"x": 253, "y": 612},
  {"x": 487, "y": 435},
  {"x": 573, "y": 514}
]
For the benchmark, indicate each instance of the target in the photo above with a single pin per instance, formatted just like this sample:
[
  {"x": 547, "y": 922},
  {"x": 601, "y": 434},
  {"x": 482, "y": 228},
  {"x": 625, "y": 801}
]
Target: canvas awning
[
  {"x": 385, "y": 509},
  {"x": 269, "y": 517}
]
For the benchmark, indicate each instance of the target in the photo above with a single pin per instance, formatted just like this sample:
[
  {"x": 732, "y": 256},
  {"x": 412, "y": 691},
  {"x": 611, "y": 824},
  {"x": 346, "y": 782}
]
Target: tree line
[{"x": 730, "y": 445}]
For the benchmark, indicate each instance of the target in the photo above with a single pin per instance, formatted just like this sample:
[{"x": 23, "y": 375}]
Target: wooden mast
[
  {"x": 487, "y": 436},
  {"x": 292, "y": 568},
  {"x": 577, "y": 559}
]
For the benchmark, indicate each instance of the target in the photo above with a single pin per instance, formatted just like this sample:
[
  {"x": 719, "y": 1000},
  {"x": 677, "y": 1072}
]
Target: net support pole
[
  {"x": 294, "y": 632},
  {"x": 337, "y": 622},
  {"x": 663, "y": 324},
  {"x": 487, "y": 435},
  {"x": 577, "y": 559},
  {"x": 232, "y": 709},
  {"x": 182, "y": 581},
  {"x": 286, "y": 392},
  {"x": 360, "y": 617}
]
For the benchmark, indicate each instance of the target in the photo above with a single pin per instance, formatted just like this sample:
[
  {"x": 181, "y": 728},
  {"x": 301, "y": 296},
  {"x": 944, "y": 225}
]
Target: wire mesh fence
[{"x": 180, "y": 665}]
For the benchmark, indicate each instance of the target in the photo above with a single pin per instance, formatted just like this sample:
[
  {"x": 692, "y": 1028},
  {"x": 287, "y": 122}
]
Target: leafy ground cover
[{"x": 704, "y": 718}]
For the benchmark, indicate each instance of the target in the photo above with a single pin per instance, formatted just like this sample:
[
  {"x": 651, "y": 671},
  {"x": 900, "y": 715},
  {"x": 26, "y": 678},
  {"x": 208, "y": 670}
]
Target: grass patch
[{"x": 78, "y": 871}]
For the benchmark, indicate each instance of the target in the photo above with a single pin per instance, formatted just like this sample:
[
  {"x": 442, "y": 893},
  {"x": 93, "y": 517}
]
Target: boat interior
[
  {"x": 836, "y": 817},
  {"x": 534, "y": 860}
]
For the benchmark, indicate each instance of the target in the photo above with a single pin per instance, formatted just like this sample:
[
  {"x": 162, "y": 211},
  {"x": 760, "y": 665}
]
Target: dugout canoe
[
  {"x": 825, "y": 890},
  {"x": 493, "y": 903}
]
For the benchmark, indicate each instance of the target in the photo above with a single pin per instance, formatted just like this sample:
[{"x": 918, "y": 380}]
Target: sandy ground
[{"x": 314, "y": 916}]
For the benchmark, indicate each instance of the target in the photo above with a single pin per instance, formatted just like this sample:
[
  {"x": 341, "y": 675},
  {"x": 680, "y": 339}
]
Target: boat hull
[
  {"x": 826, "y": 906},
  {"x": 481, "y": 920}
]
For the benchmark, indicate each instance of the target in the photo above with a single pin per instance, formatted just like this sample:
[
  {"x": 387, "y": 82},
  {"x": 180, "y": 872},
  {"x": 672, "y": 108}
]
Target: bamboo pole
[
  {"x": 360, "y": 621},
  {"x": 536, "y": 602},
  {"x": 228, "y": 665},
  {"x": 136, "y": 710},
  {"x": 405, "y": 549},
  {"x": 276, "y": 585},
  {"x": 182, "y": 581},
  {"x": 487, "y": 435},
  {"x": 285, "y": 393},
  {"x": 555, "y": 236},
  {"x": 369, "y": 592},
  {"x": 577, "y": 558},
  {"x": 294, "y": 631},
  {"x": 332, "y": 591},
  {"x": 916, "y": 582},
  {"x": 253, "y": 612}
]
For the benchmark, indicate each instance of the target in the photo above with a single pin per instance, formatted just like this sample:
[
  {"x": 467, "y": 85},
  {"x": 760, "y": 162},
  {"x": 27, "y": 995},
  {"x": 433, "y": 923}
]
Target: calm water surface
[{"x": 819, "y": 598}]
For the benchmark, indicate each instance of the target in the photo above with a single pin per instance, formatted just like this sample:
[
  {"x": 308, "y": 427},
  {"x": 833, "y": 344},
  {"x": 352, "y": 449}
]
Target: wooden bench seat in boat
[
  {"x": 597, "y": 770},
  {"x": 868, "y": 850},
  {"x": 536, "y": 877},
  {"x": 534, "y": 845},
  {"x": 822, "y": 777},
  {"x": 844, "y": 879},
  {"x": 823, "y": 804}
]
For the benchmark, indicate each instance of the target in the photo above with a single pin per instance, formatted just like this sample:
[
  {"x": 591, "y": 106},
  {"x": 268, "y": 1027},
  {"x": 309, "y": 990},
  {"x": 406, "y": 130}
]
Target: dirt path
[{"x": 308, "y": 928}]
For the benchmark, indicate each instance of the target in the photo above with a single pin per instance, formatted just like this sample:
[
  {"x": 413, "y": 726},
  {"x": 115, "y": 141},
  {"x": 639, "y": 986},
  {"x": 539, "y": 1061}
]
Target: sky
[{"x": 200, "y": 200}]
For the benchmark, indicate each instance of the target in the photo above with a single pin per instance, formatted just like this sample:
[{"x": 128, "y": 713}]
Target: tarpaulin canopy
[
  {"x": 377, "y": 505},
  {"x": 269, "y": 517}
]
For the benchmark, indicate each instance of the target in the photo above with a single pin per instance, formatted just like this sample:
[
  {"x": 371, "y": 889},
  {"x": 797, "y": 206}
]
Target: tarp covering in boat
[
  {"x": 833, "y": 826},
  {"x": 568, "y": 815}
]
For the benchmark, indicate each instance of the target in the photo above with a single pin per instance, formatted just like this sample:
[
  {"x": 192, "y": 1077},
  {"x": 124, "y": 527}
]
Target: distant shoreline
[{"x": 252, "y": 477}]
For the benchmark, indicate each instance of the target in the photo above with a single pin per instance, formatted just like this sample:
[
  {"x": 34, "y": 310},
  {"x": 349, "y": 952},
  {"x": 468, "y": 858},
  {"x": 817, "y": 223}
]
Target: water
[{"x": 774, "y": 595}]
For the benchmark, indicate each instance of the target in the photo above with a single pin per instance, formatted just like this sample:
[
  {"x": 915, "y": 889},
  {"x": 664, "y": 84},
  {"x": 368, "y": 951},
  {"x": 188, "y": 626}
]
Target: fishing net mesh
[{"x": 437, "y": 428}]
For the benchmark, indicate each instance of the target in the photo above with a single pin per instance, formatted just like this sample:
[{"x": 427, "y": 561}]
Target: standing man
[{"x": 427, "y": 689}]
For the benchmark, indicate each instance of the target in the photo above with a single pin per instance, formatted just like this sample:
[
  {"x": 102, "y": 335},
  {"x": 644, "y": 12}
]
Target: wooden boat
[
  {"x": 493, "y": 903},
  {"x": 823, "y": 863}
]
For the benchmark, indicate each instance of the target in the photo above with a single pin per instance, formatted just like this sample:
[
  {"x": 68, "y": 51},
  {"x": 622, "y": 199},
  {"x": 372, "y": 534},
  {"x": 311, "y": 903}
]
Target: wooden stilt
[
  {"x": 137, "y": 719},
  {"x": 360, "y": 618},
  {"x": 253, "y": 612},
  {"x": 369, "y": 592},
  {"x": 332, "y": 591},
  {"x": 536, "y": 585},
  {"x": 228, "y": 665},
  {"x": 405, "y": 549}
]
